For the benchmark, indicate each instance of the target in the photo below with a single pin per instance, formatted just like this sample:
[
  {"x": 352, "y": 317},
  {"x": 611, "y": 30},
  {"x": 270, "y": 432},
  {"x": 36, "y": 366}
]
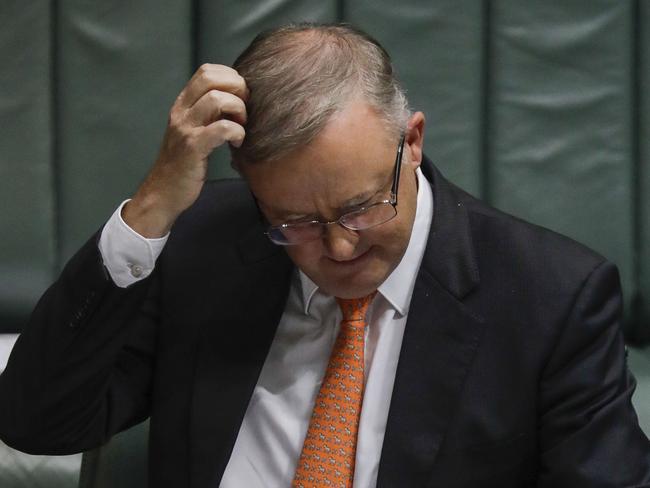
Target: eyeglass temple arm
[
  {"x": 398, "y": 160},
  {"x": 260, "y": 214}
]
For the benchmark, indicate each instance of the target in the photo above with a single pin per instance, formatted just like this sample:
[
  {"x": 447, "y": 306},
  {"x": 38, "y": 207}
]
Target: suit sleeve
[
  {"x": 81, "y": 369},
  {"x": 589, "y": 431}
]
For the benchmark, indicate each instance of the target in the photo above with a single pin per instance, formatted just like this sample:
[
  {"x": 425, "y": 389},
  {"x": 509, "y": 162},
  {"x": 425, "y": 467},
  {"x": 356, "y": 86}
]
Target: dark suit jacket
[{"x": 512, "y": 370}]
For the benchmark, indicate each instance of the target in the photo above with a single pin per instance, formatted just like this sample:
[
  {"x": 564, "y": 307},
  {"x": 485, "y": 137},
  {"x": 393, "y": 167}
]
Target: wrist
[{"x": 145, "y": 214}]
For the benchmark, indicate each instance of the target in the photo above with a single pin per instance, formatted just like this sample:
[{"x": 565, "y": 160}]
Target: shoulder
[
  {"x": 506, "y": 245},
  {"x": 535, "y": 282},
  {"x": 525, "y": 275}
]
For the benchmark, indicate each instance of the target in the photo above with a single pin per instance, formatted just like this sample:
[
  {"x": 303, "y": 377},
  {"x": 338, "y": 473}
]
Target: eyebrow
[
  {"x": 362, "y": 198},
  {"x": 290, "y": 215},
  {"x": 355, "y": 201}
]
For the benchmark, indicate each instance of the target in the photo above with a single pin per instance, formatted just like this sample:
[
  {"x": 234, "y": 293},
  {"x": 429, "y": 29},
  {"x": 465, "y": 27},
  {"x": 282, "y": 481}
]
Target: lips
[{"x": 353, "y": 261}]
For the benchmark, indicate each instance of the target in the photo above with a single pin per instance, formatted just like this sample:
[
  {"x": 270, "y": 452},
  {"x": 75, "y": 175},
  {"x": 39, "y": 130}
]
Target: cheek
[
  {"x": 393, "y": 237},
  {"x": 394, "y": 231},
  {"x": 306, "y": 255}
]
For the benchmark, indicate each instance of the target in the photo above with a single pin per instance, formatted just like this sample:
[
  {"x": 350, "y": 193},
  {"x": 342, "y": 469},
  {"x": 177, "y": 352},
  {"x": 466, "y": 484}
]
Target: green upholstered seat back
[{"x": 540, "y": 108}]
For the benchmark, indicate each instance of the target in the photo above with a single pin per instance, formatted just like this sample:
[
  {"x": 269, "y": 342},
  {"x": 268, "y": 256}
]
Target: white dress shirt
[{"x": 275, "y": 424}]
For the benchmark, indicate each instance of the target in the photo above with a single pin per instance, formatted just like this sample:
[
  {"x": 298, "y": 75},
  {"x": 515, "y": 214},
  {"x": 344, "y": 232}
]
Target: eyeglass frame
[{"x": 391, "y": 201}]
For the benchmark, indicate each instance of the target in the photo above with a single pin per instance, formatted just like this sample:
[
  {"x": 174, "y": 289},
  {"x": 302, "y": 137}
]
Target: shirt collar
[
  {"x": 398, "y": 287},
  {"x": 309, "y": 289}
]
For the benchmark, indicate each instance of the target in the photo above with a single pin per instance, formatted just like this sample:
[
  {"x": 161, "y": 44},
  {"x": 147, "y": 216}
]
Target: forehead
[{"x": 352, "y": 157}]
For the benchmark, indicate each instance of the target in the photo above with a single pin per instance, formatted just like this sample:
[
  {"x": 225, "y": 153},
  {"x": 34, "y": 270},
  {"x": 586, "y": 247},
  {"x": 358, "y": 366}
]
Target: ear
[{"x": 414, "y": 137}]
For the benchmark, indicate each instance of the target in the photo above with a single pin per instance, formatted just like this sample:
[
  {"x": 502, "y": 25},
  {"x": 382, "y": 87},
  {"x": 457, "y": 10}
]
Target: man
[{"x": 481, "y": 351}]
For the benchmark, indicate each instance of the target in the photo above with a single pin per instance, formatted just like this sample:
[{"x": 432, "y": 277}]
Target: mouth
[{"x": 354, "y": 261}]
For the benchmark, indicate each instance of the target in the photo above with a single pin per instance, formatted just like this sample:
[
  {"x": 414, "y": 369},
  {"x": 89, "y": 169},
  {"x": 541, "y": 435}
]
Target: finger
[
  {"x": 217, "y": 104},
  {"x": 221, "y": 131},
  {"x": 212, "y": 77}
]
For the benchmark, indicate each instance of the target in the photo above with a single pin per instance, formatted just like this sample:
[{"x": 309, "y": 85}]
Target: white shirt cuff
[{"x": 128, "y": 256}]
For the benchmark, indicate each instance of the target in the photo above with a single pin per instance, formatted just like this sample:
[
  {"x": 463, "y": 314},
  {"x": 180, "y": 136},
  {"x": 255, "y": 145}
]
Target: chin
[
  {"x": 353, "y": 287},
  {"x": 355, "y": 281}
]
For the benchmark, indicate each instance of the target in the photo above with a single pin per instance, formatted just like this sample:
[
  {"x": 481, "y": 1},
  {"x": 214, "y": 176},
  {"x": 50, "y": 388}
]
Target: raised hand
[{"x": 208, "y": 112}]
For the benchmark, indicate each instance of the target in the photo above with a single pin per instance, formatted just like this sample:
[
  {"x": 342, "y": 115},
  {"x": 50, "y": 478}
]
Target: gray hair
[{"x": 300, "y": 75}]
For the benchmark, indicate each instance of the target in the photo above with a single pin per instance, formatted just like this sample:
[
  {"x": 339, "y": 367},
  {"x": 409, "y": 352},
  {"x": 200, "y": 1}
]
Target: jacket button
[{"x": 136, "y": 271}]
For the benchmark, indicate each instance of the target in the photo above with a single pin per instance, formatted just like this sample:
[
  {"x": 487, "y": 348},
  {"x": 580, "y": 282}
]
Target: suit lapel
[
  {"x": 440, "y": 340},
  {"x": 233, "y": 345}
]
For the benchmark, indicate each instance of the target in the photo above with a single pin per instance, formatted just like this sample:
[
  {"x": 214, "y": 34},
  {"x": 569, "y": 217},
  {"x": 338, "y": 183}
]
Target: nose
[{"x": 340, "y": 243}]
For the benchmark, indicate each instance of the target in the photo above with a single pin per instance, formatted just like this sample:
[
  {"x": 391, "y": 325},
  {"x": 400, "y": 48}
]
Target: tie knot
[{"x": 355, "y": 309}]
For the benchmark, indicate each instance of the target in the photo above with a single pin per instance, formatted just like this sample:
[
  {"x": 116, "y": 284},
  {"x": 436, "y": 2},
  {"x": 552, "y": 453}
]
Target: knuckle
[
  {"x": 236, "y": 131},
  {"x": 236, "y": 106},
  {"x": 222, "y": 125},
  {"x": 175, "y": 120},
  {"x": 226, "y": 69},
  {"x": 228, "y": 129},
  {"x": 173, "y": 123},
  {"x": 204, "y": 75},
  {"x": 214, "y": 96}
]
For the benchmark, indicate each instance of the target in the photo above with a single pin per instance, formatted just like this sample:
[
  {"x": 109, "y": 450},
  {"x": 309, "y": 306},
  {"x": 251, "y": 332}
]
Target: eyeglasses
[{"x": 362, "y": 218}]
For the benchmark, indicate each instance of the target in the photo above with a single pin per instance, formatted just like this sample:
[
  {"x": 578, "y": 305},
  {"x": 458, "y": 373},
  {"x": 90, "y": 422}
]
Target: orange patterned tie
[{"x": 327, "y": 458}]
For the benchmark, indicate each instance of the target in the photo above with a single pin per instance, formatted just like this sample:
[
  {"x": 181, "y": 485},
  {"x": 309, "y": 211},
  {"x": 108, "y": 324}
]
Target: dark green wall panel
[
  {"x": 437, "y": 50},
  {"x": 27, "y": 223},
  {"x": 560, "y": 131},
  {"x": 226, "y": 28},
  {"x": 643, "y": 309},
  {"x": 550, "y": 96},
  {"x": 120, "y": 67}
]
